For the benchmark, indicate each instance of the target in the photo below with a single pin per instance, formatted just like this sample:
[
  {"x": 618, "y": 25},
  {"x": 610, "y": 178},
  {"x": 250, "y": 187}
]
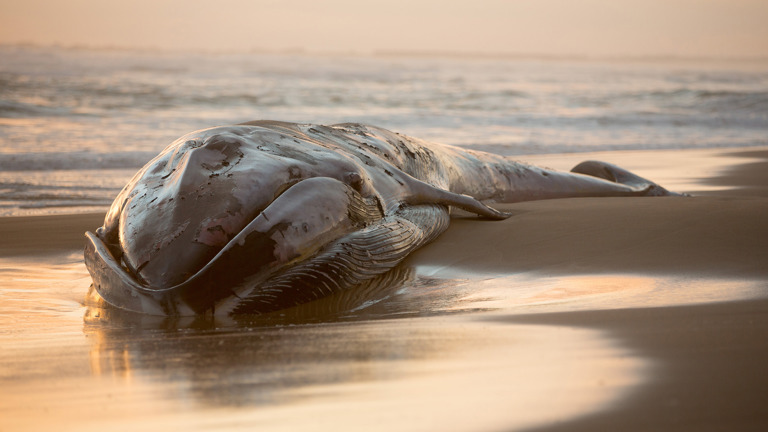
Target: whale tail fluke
[{"x": 616, "y": 174}]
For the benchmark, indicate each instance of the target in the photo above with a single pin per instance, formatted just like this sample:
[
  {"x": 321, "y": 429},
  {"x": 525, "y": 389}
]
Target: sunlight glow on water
[
  {"x": 529, "y": 293},
  {"x": 441, "y": 372},
  {"x": 99, "y": 111}
]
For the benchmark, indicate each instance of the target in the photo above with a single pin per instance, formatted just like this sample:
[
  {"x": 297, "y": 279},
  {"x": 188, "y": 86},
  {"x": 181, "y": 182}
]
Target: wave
[
  {"x": 755, "y": 102},
  {"x": 722, "y": 101},
  {"x": 100, "y": 101},
  {"x": 18, "y": 197},
  {"x": 41, "y": 198},
  {"x": 63, "y": 161},
  {"x": 13, "y": 109}
]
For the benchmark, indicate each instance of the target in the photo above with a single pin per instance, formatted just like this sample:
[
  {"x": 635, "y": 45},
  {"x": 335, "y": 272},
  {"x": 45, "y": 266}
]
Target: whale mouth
[
  {"x": 206, "y": 235},
  {"x": 299, "y": 223}
]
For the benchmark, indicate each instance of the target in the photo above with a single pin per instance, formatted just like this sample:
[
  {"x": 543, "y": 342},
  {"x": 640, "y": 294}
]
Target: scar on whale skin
[{"x": 266, "y": 215}]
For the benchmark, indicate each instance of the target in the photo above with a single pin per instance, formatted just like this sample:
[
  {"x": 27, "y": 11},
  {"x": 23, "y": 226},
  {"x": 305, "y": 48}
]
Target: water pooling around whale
[{"x": 266, "y": 215}]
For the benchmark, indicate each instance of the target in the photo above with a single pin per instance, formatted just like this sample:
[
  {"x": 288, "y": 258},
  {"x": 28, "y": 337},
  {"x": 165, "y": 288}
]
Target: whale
[{"x": 262, "y": 216}]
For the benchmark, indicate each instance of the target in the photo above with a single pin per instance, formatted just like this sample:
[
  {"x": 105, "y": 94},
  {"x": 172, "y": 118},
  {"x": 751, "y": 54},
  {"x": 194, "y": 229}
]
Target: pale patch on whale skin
[{"x": 266, "y": 215}]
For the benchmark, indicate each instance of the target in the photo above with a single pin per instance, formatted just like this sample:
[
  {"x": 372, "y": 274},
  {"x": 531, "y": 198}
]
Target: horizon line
[{"x": 426, "y": 53}]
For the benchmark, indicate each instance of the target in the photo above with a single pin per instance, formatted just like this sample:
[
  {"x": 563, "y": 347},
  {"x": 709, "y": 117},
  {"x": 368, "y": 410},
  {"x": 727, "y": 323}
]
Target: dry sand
[{"x": 677, "y": 286}]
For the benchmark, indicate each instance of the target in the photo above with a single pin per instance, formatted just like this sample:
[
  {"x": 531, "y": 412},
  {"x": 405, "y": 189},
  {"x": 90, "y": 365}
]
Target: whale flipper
[{"x": 353, "y": 259}]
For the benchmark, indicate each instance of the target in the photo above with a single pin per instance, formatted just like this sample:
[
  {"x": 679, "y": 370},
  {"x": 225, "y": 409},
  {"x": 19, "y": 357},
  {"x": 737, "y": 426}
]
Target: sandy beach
[{"x": 628, "y": 314}]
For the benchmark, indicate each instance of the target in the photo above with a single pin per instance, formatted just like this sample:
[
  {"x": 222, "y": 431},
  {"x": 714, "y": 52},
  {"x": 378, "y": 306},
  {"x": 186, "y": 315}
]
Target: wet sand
[{"x": 575, "y": 314}]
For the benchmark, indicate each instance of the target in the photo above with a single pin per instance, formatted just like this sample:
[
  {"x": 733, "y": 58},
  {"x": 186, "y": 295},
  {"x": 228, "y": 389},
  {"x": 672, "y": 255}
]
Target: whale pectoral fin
[
  {"x": 350, "y": 261},
  {"x": 424, "y": 193},
  {"x": 616, "y": 174}
]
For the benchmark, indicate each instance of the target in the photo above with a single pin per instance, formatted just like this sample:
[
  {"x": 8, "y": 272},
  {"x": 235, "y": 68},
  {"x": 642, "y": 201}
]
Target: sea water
[{"x": 76, "y": 124}]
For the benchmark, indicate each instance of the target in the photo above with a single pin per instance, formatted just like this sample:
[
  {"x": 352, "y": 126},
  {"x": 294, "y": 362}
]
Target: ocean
[{"x": 75, "y": 124}]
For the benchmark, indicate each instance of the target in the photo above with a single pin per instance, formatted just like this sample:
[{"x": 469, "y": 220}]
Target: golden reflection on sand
[
  {"x": 436, "y": 373},
  {"x": 443, "y": 371},
  {"x": 527, "y": 293}
]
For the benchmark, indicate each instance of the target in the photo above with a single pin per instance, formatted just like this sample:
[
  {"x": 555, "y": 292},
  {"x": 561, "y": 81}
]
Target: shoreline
[
  {"x": 25, "y": 236},
  {"x": 710, "y": 373},
  {"x": 708, "y": 352}
]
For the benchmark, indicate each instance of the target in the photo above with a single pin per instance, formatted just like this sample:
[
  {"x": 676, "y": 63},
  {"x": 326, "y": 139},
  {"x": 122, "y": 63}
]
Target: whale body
[{"x": 265, "y": 215}]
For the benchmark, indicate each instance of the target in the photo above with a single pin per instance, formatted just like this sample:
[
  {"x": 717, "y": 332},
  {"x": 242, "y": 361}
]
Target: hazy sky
[{"x": 733, "y": 28}]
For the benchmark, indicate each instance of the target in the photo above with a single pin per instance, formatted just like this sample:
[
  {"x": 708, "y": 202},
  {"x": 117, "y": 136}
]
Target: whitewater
[{"x": 75, "y": 124}]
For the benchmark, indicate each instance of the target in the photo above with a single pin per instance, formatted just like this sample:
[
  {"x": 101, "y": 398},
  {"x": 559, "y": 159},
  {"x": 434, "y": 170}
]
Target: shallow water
[
  {"x": 422, "y": 354},
  {"x": 68, "y": 365}
]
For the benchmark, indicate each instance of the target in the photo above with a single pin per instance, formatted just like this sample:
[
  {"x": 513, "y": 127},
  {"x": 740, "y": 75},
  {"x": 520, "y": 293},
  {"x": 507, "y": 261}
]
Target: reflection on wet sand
[
  {"x": 399, "y": 357},
  {"x": 252, "y": 359},
  {"x": 262, "y": 356},
  {"x": 409, "y": 352}
]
